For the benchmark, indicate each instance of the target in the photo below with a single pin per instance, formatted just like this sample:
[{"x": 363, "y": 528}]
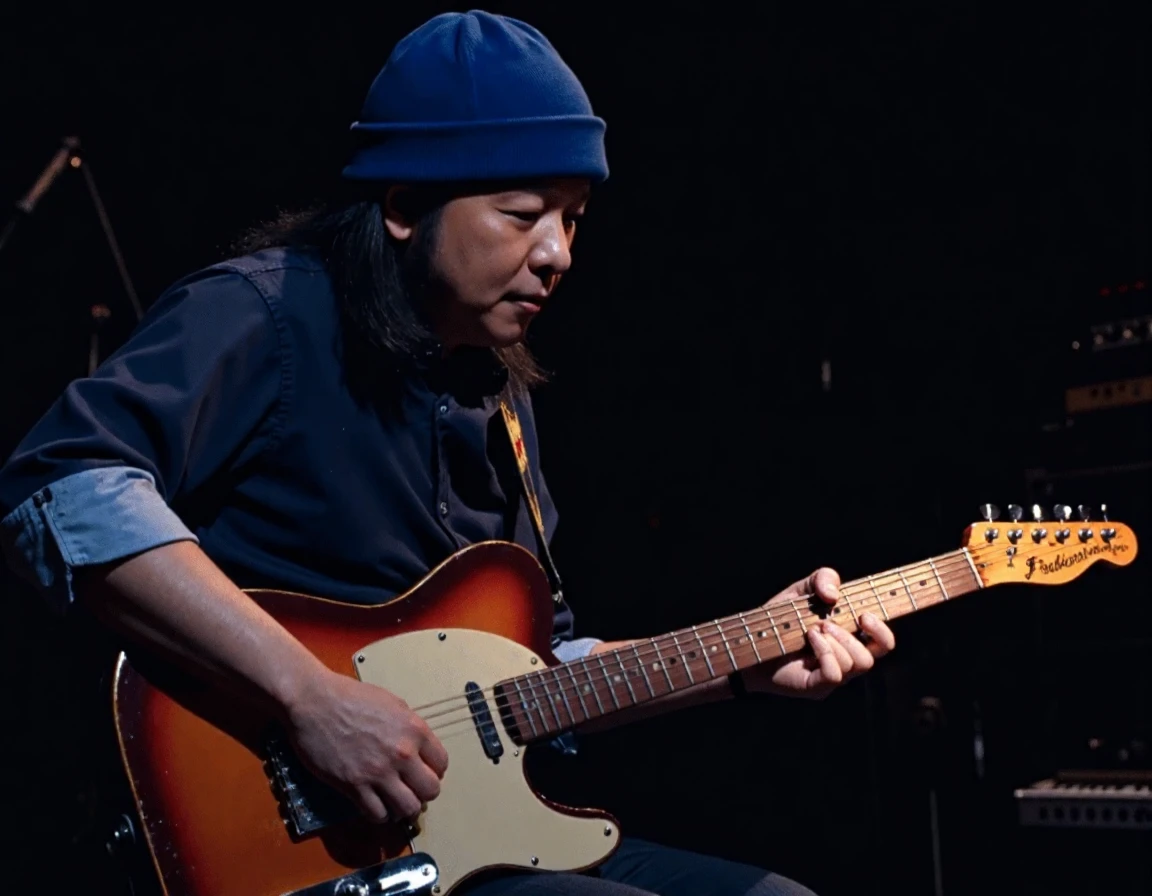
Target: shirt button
[
  {"x": 443, "y": 508},
  {"x": 443, "y": 409}
]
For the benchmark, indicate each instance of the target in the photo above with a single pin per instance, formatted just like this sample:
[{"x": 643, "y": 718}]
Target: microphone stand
[{"x": 68, "y": 156}]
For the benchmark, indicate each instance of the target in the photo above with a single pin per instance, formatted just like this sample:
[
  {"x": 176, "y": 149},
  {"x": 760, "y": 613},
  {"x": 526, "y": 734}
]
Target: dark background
[{"x": 935, "y": 203}]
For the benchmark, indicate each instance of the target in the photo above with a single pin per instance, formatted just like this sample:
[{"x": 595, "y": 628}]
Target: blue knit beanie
[{"x": 476, "y": 96}]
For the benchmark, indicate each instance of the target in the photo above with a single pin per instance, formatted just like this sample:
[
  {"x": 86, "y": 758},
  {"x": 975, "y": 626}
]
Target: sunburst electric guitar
[{"x": 228, "y": 810}]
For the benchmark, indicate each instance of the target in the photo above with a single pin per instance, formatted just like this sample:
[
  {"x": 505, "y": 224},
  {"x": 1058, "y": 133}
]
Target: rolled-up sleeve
[
  {"x": 91, "y": 517},
  {"x": 197, "y": 391}
]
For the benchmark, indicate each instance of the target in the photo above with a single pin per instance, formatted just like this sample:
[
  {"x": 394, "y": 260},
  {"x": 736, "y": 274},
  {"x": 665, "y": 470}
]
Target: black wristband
[{"x": 736, "y": 683}]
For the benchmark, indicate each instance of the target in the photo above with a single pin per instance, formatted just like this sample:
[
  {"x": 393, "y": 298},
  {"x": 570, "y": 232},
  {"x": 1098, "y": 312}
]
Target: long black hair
[{"x": 378, "y": 282}]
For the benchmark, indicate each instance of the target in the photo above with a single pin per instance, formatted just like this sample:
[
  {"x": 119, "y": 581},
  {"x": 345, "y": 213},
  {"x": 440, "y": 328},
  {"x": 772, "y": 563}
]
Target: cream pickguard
[{"x": 486, "y": 814}]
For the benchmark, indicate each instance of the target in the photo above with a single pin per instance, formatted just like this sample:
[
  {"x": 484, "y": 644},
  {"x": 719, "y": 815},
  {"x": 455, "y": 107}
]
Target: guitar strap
[{"x": 512, "y": 426}]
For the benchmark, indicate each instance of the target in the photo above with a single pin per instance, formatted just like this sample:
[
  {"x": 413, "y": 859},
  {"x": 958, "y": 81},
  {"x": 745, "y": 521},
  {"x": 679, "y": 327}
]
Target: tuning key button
[
  {"x": 1015, "y": 512},
  {"x": 1108, "y": 534},
  {"x": 1104, "y": 512},
  {"x": 1084, "y": 511},
  {"x": 1085, "y": 534},
  {"x": 1038, "y": 535},
  {"x": 989, "y": 512},
  {"x": 1014, "y": 535},
  {"x": 991, "y": 534},
  {"x": 1037, "y": 513},
  {"x": 1062, "y": 512}
]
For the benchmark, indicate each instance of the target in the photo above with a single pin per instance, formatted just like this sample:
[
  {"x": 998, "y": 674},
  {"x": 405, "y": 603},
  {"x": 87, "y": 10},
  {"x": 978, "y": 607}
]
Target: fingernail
[
  {"x": 867, "y": 617},
  {"x": 827, "y": 626}
]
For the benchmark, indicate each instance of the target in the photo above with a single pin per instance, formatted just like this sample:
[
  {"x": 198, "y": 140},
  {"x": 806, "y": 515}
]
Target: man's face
[{"x": 497, "y": 257}]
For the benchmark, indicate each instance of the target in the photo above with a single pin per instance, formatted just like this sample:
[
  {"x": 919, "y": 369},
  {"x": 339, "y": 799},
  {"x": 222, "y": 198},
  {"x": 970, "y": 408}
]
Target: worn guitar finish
[
  {"x": 228, "y": 811},
  {"x": 206, "y": 801}
]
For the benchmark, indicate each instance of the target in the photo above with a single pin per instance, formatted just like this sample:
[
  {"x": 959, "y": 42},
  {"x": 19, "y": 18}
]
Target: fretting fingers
[
  {"x": 880, "y": 638},
  {"x": 825, "y": 651}
]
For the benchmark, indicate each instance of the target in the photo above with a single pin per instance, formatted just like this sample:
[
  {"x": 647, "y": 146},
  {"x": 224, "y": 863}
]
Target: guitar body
[{"x": 204, "y": 778}]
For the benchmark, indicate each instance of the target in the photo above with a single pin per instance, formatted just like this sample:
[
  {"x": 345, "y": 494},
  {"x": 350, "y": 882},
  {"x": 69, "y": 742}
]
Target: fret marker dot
[
  {"x": 713, "y": 648},
  {"x": 923, "y": 582},
  {"x": 891, "y": 593},
  {"x": 787, "y": 625}
]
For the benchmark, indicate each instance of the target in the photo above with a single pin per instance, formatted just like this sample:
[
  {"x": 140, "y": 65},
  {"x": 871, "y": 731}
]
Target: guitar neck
[{"x": 543, "y": 703}]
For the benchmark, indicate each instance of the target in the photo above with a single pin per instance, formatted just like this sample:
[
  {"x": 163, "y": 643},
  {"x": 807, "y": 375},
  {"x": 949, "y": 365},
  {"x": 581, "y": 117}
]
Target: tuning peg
[
  {"x": 989, "y": 512},
  {"x": 1104, "y": 512},
  {"x": 1015, "y": 512},
  {"x": 1037, "y": 513},
  {"x": 1062, "y": 512},
  {"x": 1084, "y": 512}
]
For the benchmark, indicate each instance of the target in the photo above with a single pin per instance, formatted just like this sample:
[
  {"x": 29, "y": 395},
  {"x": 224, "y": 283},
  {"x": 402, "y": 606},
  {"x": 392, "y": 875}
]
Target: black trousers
[{"x": 640, "y": 868}]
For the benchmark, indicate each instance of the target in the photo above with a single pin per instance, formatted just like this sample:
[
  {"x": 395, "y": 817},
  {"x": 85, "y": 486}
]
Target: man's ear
[{"x": 397, "y": 218}]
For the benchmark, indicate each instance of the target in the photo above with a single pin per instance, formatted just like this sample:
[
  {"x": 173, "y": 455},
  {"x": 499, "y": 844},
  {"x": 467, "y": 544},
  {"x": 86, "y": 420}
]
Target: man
[{"x": 321, "y": 415}]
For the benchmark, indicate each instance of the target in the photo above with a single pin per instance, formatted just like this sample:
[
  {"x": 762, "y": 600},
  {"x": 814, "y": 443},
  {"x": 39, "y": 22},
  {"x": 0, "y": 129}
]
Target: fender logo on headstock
[{"x": 1064, "y": 561}]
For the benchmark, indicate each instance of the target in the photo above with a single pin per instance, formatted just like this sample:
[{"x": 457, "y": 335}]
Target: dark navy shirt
[{"x": 227, "y": 418}]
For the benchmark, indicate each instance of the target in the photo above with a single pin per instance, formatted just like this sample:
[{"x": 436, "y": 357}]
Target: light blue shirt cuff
[
  {"x": 574, "y": 649},
  {"x": 95, "y": 516}
]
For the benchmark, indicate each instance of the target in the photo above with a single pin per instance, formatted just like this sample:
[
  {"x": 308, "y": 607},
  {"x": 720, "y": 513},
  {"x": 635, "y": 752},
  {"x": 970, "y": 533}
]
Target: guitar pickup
[{"x": 482, "y": 719}]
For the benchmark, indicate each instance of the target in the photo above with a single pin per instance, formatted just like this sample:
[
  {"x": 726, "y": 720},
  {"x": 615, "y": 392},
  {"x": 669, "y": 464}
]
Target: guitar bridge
[
  {"x": 404, "y": 876},
  {"x": 307, "y": 804}
]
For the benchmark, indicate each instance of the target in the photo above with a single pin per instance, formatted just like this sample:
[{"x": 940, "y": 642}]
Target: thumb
[{"x": 824, "y": 583}]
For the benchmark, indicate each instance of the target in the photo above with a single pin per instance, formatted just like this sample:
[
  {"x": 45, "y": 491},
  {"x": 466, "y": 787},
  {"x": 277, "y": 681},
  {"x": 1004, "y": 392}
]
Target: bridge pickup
[{"x": 482, "y": 719}]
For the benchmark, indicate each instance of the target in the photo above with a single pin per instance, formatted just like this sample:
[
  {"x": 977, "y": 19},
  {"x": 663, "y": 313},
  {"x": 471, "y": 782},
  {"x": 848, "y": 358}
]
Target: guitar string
[
  {"x": 650, "y": 649},
  {"x": 627, "y": 660},
  {"x": 950, "y": 568},
  {"x": 603, "y": 686}
]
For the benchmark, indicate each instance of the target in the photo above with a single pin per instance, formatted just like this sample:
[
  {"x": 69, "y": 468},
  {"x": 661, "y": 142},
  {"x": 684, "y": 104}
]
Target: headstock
[{"x": 1045, "y": 552}]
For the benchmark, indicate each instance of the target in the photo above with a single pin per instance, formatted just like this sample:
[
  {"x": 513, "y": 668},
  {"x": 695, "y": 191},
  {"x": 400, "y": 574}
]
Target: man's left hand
[{"x": 837, "y": 656}]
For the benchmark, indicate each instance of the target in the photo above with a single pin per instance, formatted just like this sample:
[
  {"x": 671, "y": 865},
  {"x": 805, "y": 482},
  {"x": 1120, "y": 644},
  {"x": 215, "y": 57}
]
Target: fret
[
  {"x": 548, "y": 699},
  {"x": 624, "y": 675},
  {"x": 939, "y": 581},
  {"x": 907, "y": 588},
  {"x": 663, "y": 665},
  {"x": 975, "y": 574},
  {"x": 851, "y": 607},
  {"x": 727, "y": 646},
  {"x": 571, "y": 667},
  {"x": 704, "y": 650},
  {"x": 879, "y": 599},
  {"x": 683, "y": 660},
  {"x": 799, "y": 618},
  {"x": 526, "y": 707},
  {"x": 752, "y": 638},
  {"x": 611, "y": 688},
  {"x": 643, "y": 670},
  {"x": 563, "y": 691},
  {"x": 591, "y": 685}
]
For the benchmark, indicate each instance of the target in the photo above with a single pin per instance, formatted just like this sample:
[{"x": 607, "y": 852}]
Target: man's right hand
[{"x": 367, "y": 743}]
